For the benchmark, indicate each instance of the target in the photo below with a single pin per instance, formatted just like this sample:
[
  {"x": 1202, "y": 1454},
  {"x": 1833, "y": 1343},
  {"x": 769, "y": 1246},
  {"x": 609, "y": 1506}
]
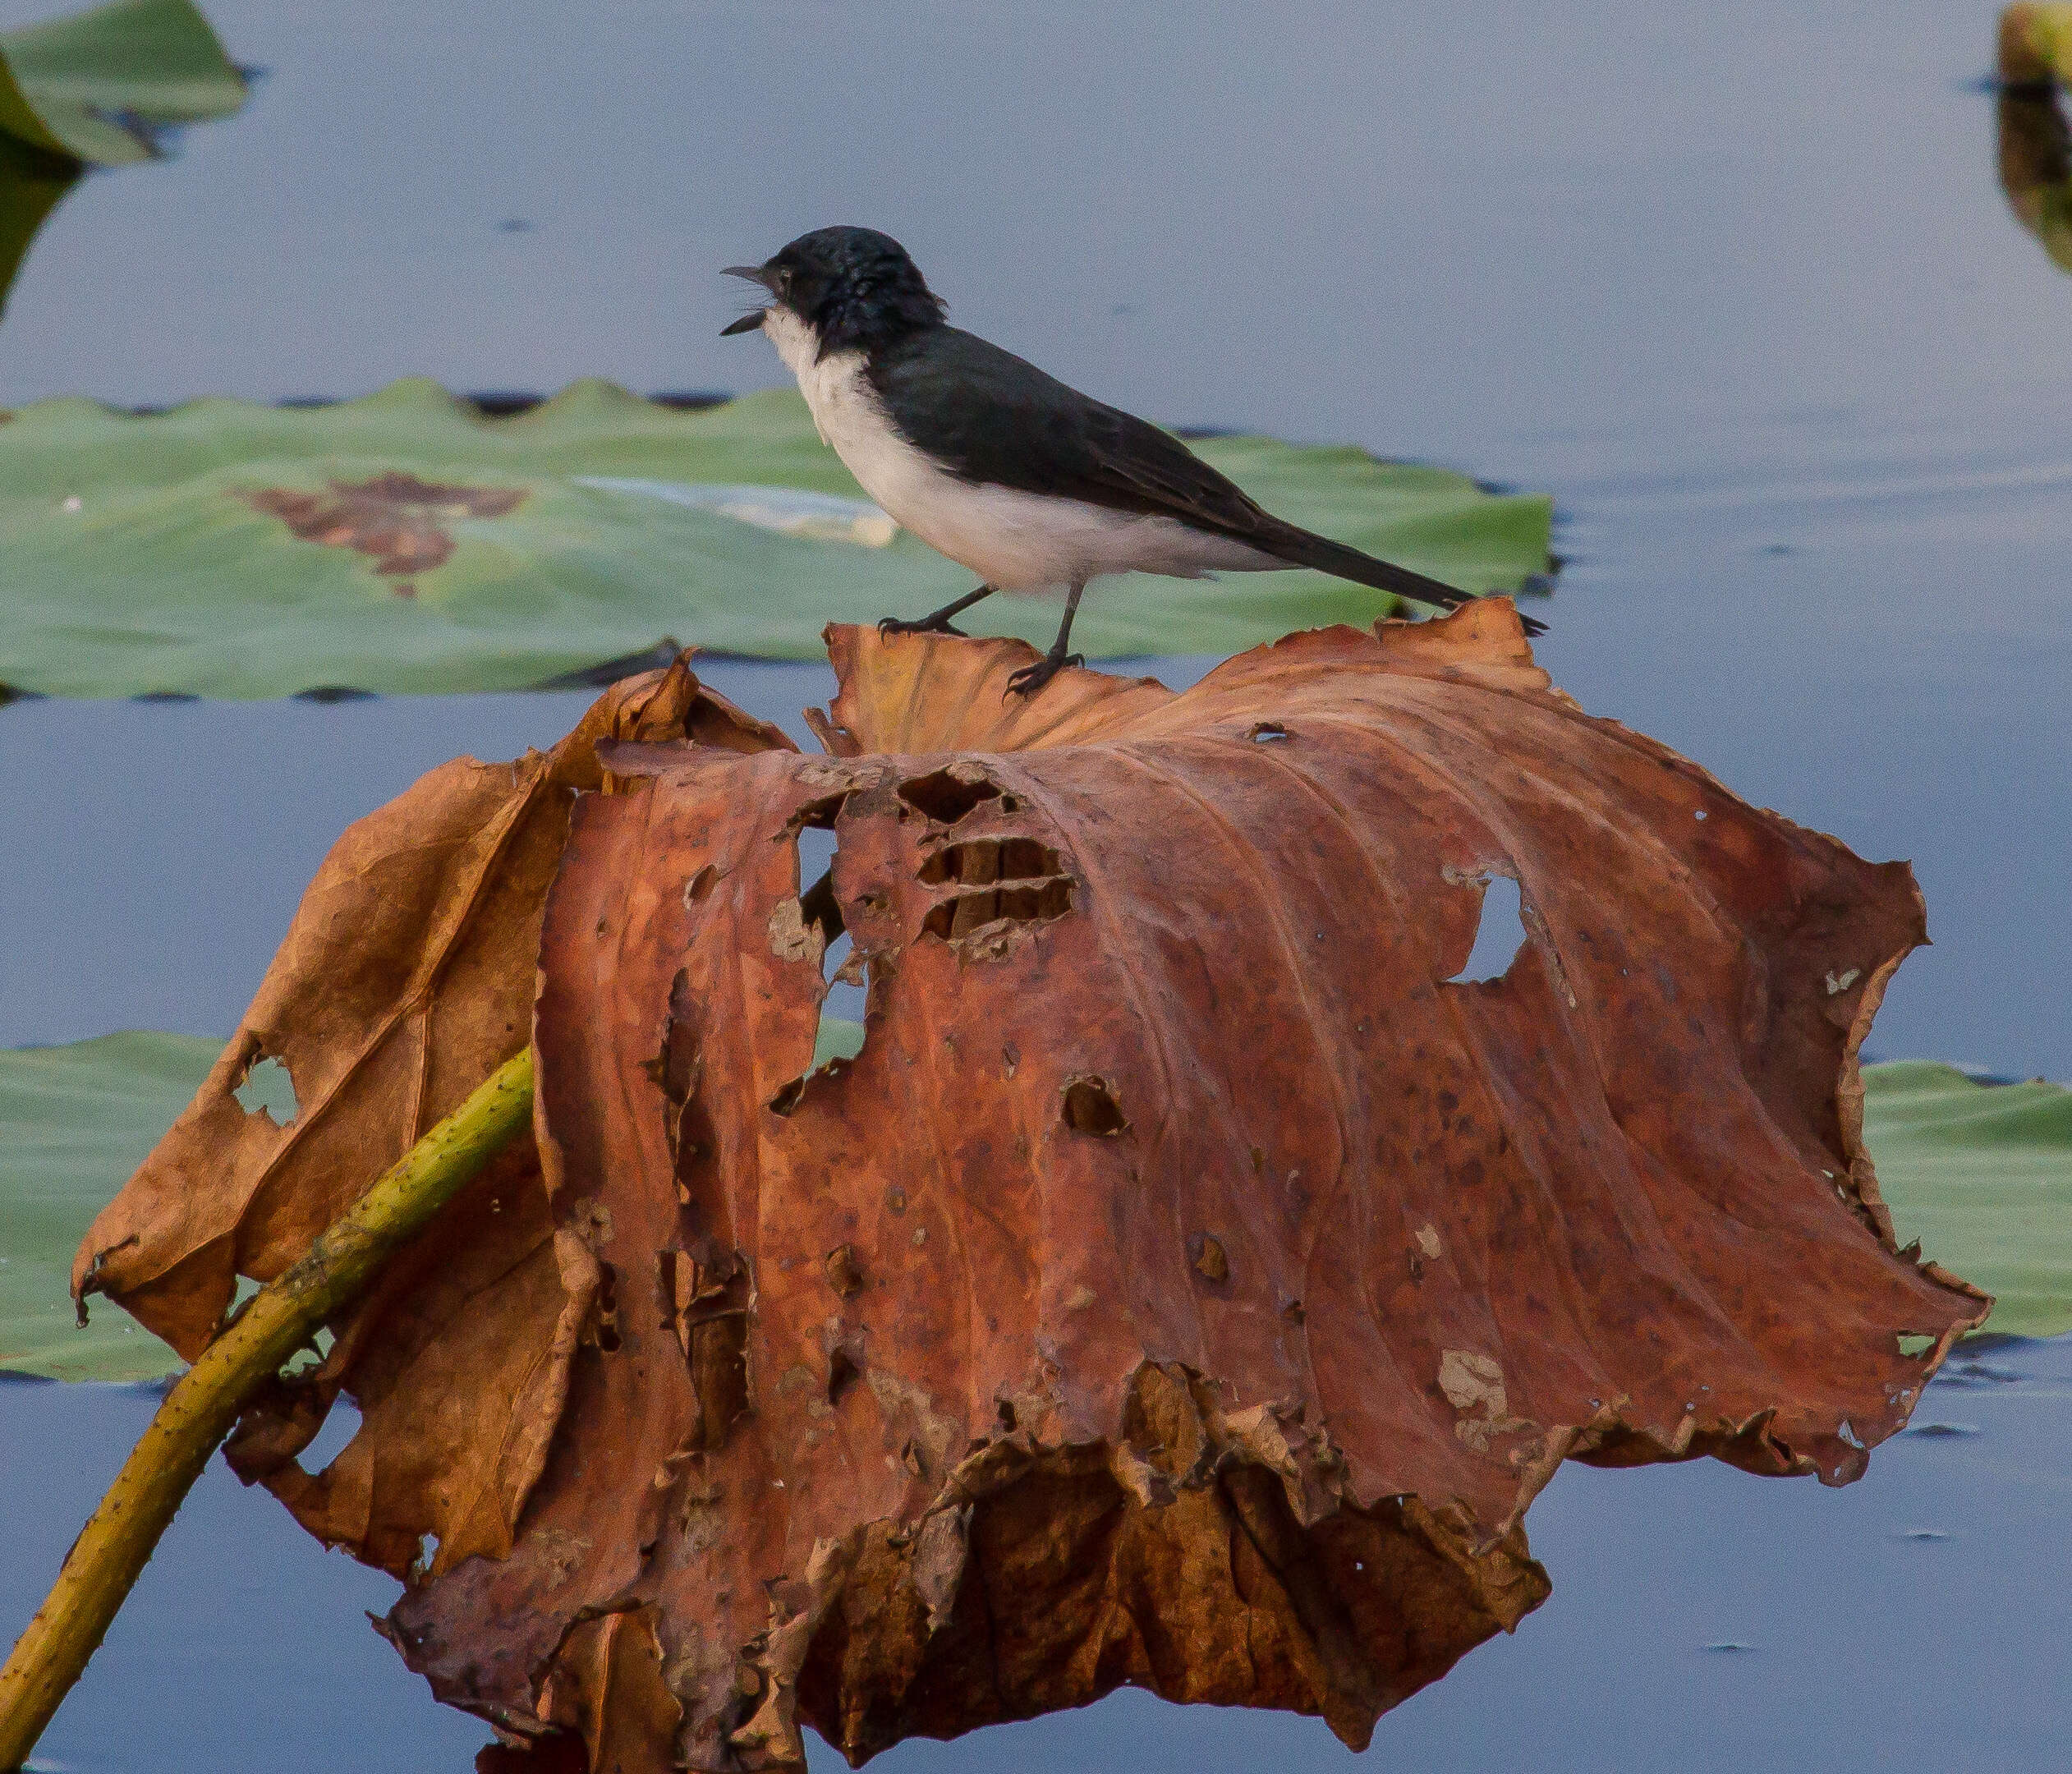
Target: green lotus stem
[{"x": 199, "y": 1412}]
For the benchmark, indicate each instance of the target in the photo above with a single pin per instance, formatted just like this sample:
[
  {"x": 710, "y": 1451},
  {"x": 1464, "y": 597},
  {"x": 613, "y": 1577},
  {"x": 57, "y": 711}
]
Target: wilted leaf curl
[
  {"x": 405, "y": 978},
  {"x": 1187, "y": 1283}
]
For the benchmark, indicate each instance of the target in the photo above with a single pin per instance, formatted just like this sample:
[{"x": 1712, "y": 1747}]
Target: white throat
[
  {"x": 845, "y": 411},
  {"x": 798, "y": 346}
]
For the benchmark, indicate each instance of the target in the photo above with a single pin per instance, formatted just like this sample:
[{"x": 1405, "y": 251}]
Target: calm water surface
[
  {"x": 1735, "y": 283},
  {"x": 1701, "y": 1620}
]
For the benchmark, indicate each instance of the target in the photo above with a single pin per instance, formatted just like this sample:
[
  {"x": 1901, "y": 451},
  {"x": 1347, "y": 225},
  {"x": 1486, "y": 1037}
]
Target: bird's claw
[
  {"x": 892, "y": 625},
  {"x": 1031, "y": 678}
]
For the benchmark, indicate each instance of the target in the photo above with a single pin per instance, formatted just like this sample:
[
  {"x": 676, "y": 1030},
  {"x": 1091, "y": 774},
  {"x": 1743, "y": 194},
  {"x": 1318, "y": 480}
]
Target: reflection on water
[
  {"x": 1912, "y": 1621},
  {"x": 32, "y": 183},
  {"x": 1806, "y": 423},
  {"x": 105, "y": 88}
]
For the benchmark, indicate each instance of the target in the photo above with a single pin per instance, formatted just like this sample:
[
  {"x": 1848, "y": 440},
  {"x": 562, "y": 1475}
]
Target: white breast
[{"x": 1014, "y": 540}]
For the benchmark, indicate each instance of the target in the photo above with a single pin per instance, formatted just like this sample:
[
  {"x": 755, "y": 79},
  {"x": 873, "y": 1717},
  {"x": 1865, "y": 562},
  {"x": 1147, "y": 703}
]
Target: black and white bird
[{"x": 1028, "y": 483}]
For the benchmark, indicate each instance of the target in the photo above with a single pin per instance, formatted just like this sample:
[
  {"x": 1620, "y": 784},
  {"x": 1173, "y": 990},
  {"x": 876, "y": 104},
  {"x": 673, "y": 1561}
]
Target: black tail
[{"x": 1300, "y": 547}]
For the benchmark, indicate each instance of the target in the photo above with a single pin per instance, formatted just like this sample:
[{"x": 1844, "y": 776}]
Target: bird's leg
[
  {"x": 1031, "y": 678},
  {"x": 938, "y": 622}
]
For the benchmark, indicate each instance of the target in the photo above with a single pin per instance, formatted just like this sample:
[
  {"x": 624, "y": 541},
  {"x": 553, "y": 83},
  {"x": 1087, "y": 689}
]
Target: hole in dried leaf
[
  {"x": 1037, "y": 902},
  {"x": 340, "y": 1426},
  {"x": 268, "y": 1090},
  {"x": 1090, "y": 1107},
  {"x": 944, "y": 797},
  {"x": 241, "y": 1295},
  {"x": 1913, "y": 1345},
  {"x": 818, "y": 906},
  {"x": 608, "y": 1337},
  {"x": 841, "y": 1374},
  {"x": 1500, "y": 934},
  {"x": 839, "y": 1034},
  {"x": 818, "y": 815},
  {"x": 1266, "y": 731},
  {"x": 311, "y": 1355},
  {"x": 980, "y": 861}
]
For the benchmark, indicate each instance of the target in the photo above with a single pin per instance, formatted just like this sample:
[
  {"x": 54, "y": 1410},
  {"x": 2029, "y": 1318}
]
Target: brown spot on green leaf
[{"x": 397, "y": 518}]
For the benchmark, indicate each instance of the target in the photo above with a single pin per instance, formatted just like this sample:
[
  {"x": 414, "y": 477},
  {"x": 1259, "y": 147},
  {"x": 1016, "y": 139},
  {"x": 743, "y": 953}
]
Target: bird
[{"x": 1025, "y": 481}]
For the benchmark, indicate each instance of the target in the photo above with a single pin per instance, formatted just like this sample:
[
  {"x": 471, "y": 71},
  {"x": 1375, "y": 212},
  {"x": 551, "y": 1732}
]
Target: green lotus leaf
[
  {"x": 838, "y": 1039},
  {"x": 1982, "y": 1175},
  {"x": 98, "y": 90},
  {"x": 20, "y": 125},
  {"x": 405, "y": 543},
  {"x": 101, "y": 83},
  {"x": 74, "y": 1123}
]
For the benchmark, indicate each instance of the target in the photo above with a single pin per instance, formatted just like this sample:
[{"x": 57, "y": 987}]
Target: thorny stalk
[{"x": 118, "y": 1539}]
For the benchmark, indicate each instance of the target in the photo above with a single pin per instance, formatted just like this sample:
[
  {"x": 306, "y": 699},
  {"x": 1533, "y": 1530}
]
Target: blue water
[
  {"x": 1702, "y": 1619},
  {"x": 1735, "y": 283}
]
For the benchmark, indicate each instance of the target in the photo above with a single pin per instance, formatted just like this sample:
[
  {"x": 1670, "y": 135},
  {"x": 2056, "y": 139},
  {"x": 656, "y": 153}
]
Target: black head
[{"x": 856, "y": 288}]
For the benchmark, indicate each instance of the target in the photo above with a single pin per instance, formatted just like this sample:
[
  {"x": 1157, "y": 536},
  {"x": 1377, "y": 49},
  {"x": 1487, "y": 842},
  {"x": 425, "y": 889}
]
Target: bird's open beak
[{"x": 748, "y": 323}]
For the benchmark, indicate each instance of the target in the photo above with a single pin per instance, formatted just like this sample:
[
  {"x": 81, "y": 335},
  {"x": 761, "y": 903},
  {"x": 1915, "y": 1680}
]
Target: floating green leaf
[
  {"x": 405, "y": 543},
  {"x": 838, "y": 1039},
  {"x": 99, "y": 89},
  {"x": 103, "y": 83},
  {"x": 74, "y": 1123},
  {"x": 1982, "y": 1175}
]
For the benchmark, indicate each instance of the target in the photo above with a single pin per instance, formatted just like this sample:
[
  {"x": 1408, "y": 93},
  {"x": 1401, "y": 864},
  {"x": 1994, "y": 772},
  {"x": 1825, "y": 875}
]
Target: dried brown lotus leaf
[
  {"x": 406, "y": 978},
  {"x": 1189, "y": 1283},
  {"x": 1055, "y": 1426}
]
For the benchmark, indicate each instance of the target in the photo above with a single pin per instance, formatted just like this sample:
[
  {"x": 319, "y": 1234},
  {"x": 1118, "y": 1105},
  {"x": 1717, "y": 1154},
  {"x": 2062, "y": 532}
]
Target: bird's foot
[
  {"x": 1031, "y": 678},
  {"x": 939, "y": 623}
]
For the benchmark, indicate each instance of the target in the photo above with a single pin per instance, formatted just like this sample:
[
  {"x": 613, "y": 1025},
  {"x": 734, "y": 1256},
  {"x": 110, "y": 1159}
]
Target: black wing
[{"x": 994, "y": 419}]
